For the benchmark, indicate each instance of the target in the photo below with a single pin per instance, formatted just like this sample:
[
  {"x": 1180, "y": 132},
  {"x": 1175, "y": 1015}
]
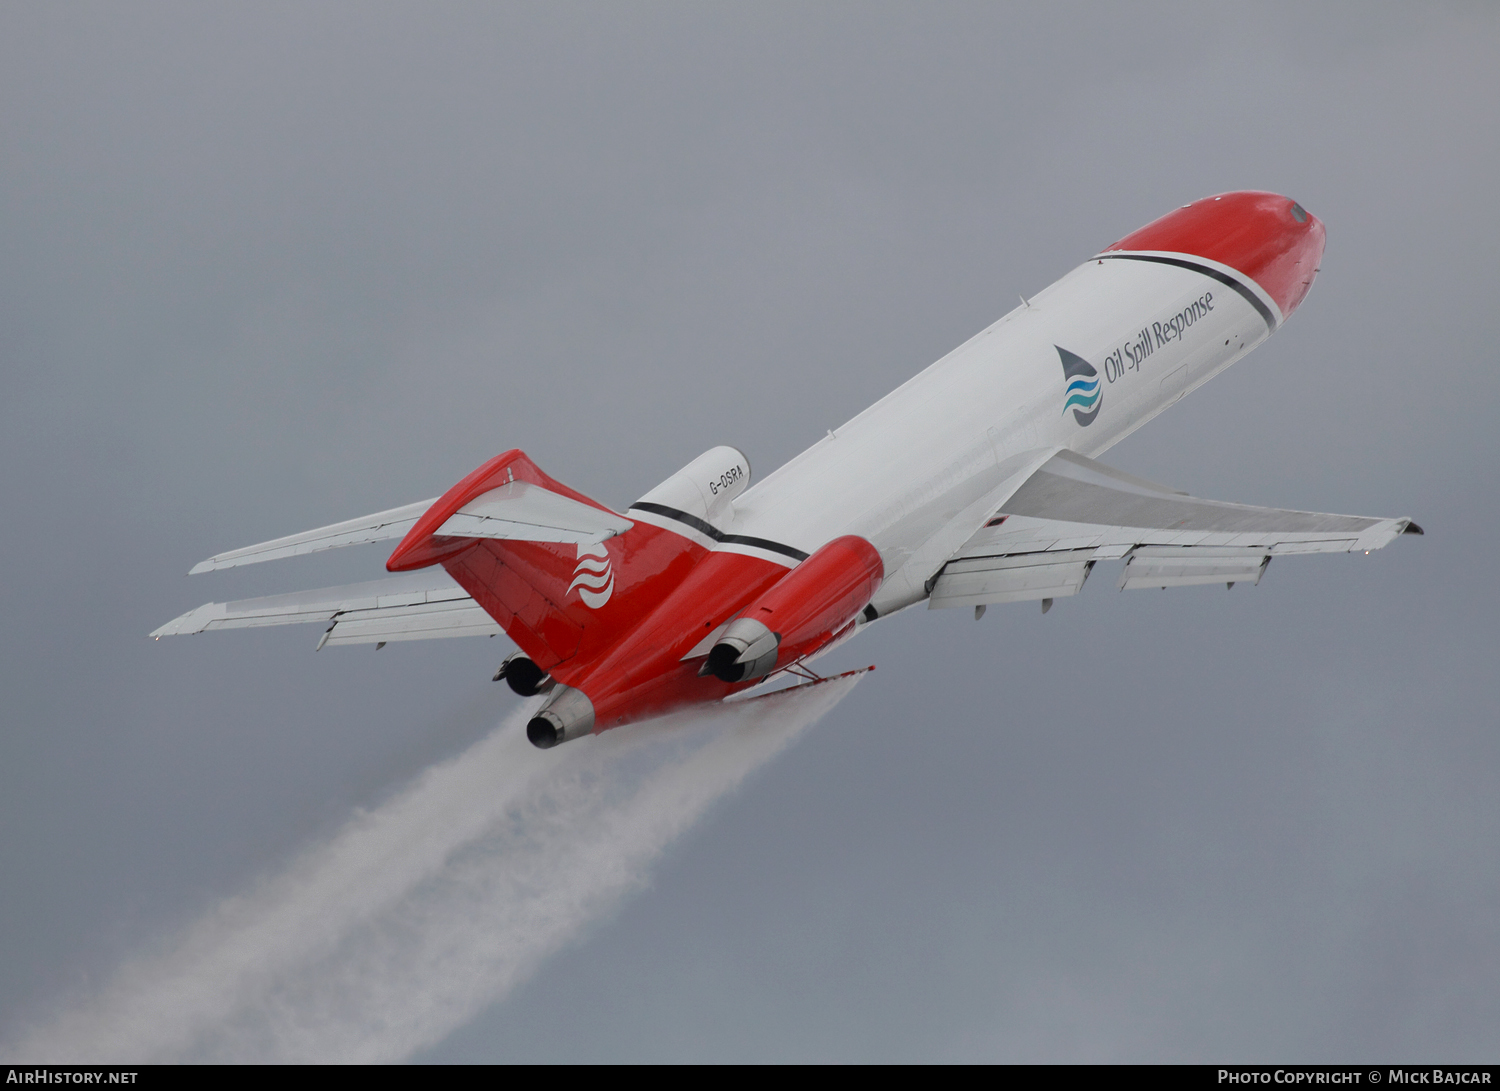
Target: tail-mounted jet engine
[
  {"x": 702, "y": 493},
  {"x": 568, "y": 714},
  {"x": 524, "y": 676},
  {"x": 812, "y": 602}
]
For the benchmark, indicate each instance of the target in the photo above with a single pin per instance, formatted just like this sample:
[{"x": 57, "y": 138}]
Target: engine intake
[
  {"x": 524, "y": 676},
  {"x": 703, "y": 491}
]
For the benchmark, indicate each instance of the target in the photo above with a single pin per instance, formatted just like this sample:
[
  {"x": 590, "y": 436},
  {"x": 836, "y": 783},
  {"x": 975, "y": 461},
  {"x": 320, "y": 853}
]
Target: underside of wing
[
  {"x": 1073, "y": 511},
  {"x": 423, "y": 606}
]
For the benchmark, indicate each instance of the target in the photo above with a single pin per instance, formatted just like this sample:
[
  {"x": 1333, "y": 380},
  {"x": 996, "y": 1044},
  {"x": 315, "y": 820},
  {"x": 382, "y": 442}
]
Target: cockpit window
[{"x": 1299, "y": 212}]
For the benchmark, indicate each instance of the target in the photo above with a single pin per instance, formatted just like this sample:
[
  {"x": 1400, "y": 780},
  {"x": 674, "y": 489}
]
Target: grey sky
[{"x": 269, "y": 266}]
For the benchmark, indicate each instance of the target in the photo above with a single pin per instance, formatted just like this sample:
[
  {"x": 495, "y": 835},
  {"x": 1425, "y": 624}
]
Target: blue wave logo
[{"x": 1084, "y": 394}]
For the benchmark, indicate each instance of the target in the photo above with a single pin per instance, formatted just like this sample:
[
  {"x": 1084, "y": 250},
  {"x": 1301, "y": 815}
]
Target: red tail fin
[{"x": 559, "y": 601}]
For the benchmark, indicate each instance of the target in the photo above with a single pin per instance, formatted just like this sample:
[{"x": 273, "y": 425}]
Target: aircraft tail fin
[{"x": 560, "y": 572}]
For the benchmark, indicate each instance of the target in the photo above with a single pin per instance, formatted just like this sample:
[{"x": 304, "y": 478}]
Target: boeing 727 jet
[{"x": 974, "y": 483}]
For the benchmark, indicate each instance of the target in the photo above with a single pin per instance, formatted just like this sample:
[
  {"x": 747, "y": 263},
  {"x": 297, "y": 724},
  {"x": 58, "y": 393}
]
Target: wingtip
[
  {"x": 194, "y": 621},
  {"x": 1412, "y": 528},
  {"x": 171, "y": 628},
  {"x": 202, "y": 567}
]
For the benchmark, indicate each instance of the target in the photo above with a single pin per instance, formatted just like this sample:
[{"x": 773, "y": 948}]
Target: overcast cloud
[{"x": 268, "y": 266}]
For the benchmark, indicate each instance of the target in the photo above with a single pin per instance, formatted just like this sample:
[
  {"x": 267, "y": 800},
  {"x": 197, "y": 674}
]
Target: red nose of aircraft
[{"x": 1267, "y": 237}]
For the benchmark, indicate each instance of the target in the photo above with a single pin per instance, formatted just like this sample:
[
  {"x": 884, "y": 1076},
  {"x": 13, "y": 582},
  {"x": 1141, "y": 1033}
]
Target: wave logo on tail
[
  {"x": 594, "y": 577},
  {"x": 1083, "y": 395}
]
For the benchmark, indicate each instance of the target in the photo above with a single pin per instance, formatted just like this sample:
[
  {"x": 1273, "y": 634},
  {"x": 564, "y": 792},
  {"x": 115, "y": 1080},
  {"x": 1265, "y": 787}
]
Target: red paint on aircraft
[
  {"x": 645, "y": 673},
  {"x": 820, "y": 596},
  {"x": 422, "y": 547},
  {"x": 1268, "y": 237},
  {"x": 669, "y": 593}
]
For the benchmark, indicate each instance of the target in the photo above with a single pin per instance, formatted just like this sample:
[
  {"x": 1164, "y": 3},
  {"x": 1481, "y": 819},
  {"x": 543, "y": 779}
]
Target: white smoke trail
[{"x": 417, "y": 915}]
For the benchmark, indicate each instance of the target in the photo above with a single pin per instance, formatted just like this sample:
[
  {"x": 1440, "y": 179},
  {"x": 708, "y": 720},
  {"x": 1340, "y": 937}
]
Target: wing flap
[
  {"x": 429, "y": 621},
  {"x": 1169, "y": 566},
  {"x": 980, "y": 581}
]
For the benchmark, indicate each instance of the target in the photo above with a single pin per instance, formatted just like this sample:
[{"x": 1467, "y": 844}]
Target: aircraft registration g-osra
[{"x": 974, "y": 483}]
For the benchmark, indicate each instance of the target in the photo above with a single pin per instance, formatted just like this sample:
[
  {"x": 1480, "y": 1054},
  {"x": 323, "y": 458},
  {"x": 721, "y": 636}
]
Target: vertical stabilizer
[{"x": 563, "y": 575}]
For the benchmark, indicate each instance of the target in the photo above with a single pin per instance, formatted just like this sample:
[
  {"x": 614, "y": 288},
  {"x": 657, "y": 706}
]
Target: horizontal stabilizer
[
  {"x": 517, "y": 511},
  {"x": 523, "y": 512},
  {"x": 381, "y": 526},
  {"x": 418, "y": 607},
  {"x": 508, "y": 499}
]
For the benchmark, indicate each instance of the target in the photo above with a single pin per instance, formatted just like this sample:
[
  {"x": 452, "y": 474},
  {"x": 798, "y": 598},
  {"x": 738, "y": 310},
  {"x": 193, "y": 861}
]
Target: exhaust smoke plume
[{"x": 415, "y": 916}]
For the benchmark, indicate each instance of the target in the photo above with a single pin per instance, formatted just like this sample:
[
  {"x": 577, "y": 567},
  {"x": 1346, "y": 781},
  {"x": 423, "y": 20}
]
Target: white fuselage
[{"x": 920, "y": 470}]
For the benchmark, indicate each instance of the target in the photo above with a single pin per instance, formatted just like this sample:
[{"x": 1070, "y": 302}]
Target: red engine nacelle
[{"x": 801, "y": 613}]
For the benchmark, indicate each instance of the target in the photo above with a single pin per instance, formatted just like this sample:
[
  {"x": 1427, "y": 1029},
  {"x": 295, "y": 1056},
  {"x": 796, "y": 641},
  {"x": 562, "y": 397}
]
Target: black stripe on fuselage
[
  {"x": 1208, "y": 271},
  {"x": 711, "y": 531}
]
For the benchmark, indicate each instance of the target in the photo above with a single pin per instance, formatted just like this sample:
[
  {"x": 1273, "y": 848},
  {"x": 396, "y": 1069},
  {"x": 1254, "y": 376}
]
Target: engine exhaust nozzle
[
  {"x": 567, "y": 714},
  {"x": 746, "y": 651}
]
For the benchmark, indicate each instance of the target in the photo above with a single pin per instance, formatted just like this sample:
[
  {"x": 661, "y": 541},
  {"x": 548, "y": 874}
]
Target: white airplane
[{"x": 974, "y": 483}]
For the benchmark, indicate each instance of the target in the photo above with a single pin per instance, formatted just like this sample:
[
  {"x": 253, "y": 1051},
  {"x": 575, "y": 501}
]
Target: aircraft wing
[
  {"x": 379, "y": 527},
  {"x": 517, "y": 510},
  {"x": 422, "y": 606},
  {"x": 1073, "y": 511}
]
